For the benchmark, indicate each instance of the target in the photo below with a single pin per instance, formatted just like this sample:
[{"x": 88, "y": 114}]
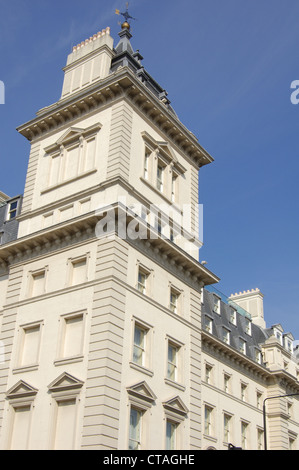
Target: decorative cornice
[
  {"x": 84, "y": 227},
  {"x": 235, "y": 356},
  {"x": 122, "y": 84}
]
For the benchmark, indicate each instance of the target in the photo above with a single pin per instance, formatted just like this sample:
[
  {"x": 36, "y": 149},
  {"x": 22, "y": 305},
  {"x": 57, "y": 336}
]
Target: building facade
[{"x": 112, "y": 335}]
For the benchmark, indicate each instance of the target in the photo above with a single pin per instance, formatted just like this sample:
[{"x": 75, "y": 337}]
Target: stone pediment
[
  {"x": 165, "y": 150},
  {"x": 65, "y": 382},
  {"x": 21, "y": 390},
  {"x": 142, "y": 391},
  {"x": 176, "y": 405},
  {"x": 70, "y": 134},
  {"x": 73, "y": 134}
]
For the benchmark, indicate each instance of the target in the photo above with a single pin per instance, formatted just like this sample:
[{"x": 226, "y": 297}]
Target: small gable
[
  {"x": 21, "y": 390},
  {"x": 176, "y": 405},
  {"x": 142, "y": 391},
  {"x": 65, "y": 382}
]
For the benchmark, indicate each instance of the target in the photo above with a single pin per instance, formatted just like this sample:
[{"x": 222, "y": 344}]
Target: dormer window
[
  {"x": 233, "y": 316},
  {"x": 278, "y": 334},
  {"x": 12, "y": 210},
  {"x": 216, "y": 304},
  {"x": 248, "y": 326}
]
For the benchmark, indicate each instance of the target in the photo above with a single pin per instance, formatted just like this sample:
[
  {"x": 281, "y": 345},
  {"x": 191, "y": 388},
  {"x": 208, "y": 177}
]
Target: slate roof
[
  {"x": 222, "y": 320},
  {"x": 126, "y": 57},
  {"x": 9, "y": 228}
]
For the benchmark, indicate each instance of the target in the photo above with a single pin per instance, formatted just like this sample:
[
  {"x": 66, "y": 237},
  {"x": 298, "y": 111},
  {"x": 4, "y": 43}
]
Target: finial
[{"x": 127, "y": 16}]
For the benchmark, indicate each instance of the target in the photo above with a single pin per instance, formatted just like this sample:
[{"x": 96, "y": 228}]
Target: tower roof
[{"x": 126, "y": 57}]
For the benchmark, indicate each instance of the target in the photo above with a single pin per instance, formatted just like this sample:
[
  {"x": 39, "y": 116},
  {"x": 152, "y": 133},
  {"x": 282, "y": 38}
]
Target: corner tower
[{"x": 104, "y": 329}]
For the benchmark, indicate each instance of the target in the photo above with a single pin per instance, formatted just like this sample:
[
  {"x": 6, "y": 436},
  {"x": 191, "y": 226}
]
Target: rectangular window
[
  {"x": 259, "y": 400},
  {"x": 78, "y": 273},
  {"x": 247, "y": 326},
  {"x": 226, "y": 335},
  {"x": 142, "y": 281},
  {"x": 216, "y": 306},
  {"x": 242, "y": 346},
  {"x": 135, "y": 429},
  {"x": 174, "y": 182},
  {"x": 233, "y": 316},
  {"x": 160, "y": 177},
  {"x": 227, "y": 379},
  {"x": 12, "y": 210},
  {"x": 65, "y": 424},
  {"x": 174, "y": 300},
  {"x": 209, "y": 325},
  {"x": 244, "y": 435},
  {"x": 20, "y": 428},
  {"x": 208, "y": 420},
  {"x": 72, "y": 157},
  {"x": 30, "y": 345},
  {"x": 227, "y": 427},
  {"x": 38, "y": 283},
  {"x": 146, "y": 165},
  {"x": 139, "y": 345},
  {"x": 72, "y": 336},
  {"x": 260, "y": 439},
  {"x": 208, "y": 373},
  {"x": 172, "y": 363},
  {"x": 171, "y": 429},
  {"x": 258, "y": 356},
  {"x": 243, "y": 392}
]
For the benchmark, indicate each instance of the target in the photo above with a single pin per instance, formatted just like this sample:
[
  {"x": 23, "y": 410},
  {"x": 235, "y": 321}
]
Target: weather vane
[{"x": 126, "y": 16}]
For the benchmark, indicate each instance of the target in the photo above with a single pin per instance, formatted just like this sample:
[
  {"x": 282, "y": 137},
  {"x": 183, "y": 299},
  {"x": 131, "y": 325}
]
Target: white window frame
[
  {"x": 208, "y": 419},
  {"x": 227, "y": 427},
  {"x": 31, "y": 275},
  {"x": 177, "y": 366},
  {"x": 144, "y": 288},
  {"x": 12, "y": 210},
  {"x": 71, "y": 262},
  {"x": 247, "y": 326},
  {"x": 21, "y": 343},
  {"x": 175, "y": 306},
  {"x": 233, "y": 316},
  {"x": 226, "y": 335},
  {"x": 60, "y": 358},
  {"x": 216, "y": 304}
]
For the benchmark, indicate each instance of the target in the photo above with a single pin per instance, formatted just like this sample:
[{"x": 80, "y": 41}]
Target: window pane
[
  {"x": 19, "y": 438},
  {"x": 172, "y": 366},
  {"x": 170, "y": 435},
  {"x": 138, "y": 351},
  {"x": 38, "y": 283},
  {"x": 134, "y": 432},
  {"x": 79, "y": 272},
  {"x": 73, "y": 336},
  {"x": 65, "y": 425},
  {"x": 30, "y": 346}
]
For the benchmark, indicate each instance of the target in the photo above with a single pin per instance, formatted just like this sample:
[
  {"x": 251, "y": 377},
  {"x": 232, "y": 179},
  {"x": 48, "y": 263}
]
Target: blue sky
[{"x": 228, "y": 67}]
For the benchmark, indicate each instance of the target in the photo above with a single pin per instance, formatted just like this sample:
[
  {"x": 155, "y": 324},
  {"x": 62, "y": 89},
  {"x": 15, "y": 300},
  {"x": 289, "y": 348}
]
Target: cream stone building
[{"x": 112, "y": 334}]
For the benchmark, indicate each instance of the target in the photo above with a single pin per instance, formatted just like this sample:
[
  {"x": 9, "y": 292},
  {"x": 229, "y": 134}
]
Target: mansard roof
[{"x": 238, "y": 331}]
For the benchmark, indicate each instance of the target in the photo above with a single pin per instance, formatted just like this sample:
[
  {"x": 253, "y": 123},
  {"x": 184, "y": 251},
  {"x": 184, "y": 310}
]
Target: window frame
[
  {"x": 60, "y": 357},
  {"x": 178, "y": 347},
  {"x": 12, "y": 210},
  {"x": 19, "y": 366}
]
